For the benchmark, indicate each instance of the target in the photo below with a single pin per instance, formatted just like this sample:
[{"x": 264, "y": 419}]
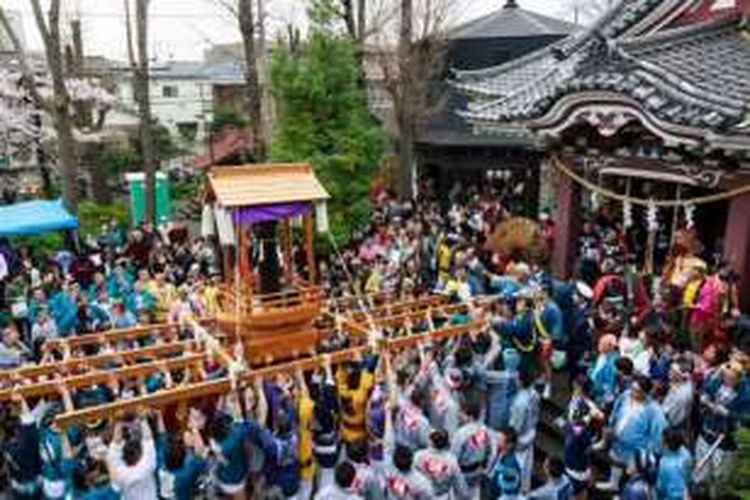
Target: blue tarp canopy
[{"x": 35, "y": 217}]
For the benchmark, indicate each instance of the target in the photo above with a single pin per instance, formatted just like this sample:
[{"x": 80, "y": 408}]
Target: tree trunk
[
  {"x": 361, "y": 21},
  {"x": 66, "y": 144},
  {"x": 252, "y": 84},
  {"x": 83, "y": 116},
  {"x": 60, "y": 106},
  {"x": 266, "y": 103},
  {"x": 351, "y": 26},
  {"x": 66, "y": 150},
  {"x": 141, "y": 88},
  {"x": 100, "y": 189},
  {"x": 405, "y": 114}
]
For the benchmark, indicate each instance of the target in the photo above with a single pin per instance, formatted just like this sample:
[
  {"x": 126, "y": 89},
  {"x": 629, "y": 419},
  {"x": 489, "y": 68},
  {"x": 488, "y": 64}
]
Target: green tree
[
  {"x": 227, "y": 118},
  {"x": 322, "y": 118}
]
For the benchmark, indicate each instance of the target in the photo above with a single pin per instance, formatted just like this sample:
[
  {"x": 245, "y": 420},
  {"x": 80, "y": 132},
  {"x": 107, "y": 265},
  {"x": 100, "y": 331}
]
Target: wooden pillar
[
  {"x": 737, "y": 245},
  {"x": 310, "y": 247},
  {"x": 567, "y": 221},
  {"x": 227, "y": 259},
  {"x": 243, "y": 255},
  {"x": 531, "y": 184},
  {"x": 286, "y": 248}
]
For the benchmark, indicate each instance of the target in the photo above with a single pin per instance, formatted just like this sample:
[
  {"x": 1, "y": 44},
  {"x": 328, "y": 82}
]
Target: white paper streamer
[
  {"x": 652, "y": 218},
  {"x": 627, "y": 214},
  {"x": 689, "y": 215},
  {"x": 595, "y": 202},
  {"x": 208, "y": 221},
  {"x": 321, "y": 216},
  {"x": 225, "y": 226}
]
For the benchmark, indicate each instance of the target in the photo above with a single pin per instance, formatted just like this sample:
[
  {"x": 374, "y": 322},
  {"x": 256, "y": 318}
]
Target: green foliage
[
  {"x": 227, "y": 118},
  {"x": 92, "y": 216},
  {"x": 737, "y": 482},
  {"x": 185, "y": 190},
  {"x": 322, "y": 118},
  {"x": 120, "y": 158},
  {"x": 323, "y": 13},
  {"x": 164, "y": 146},
  {"x": 42, "y": 245}
]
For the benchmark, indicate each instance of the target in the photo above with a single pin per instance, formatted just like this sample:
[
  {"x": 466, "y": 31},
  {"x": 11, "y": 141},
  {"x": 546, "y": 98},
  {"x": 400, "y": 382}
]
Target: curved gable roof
[{"x": 511, "y": 22}]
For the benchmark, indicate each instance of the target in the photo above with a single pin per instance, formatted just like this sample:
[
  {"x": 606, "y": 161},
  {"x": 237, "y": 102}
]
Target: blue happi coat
[
  {"x": 642, "y": 430},
  {"x": 603, "y": 377}
]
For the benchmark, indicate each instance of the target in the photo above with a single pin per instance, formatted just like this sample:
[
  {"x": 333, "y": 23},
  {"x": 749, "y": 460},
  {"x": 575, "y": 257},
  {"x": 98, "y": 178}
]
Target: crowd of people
[{"x": 646, "y": 371}]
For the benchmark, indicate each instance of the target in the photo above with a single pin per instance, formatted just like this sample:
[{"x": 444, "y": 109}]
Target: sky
[{"x": 183, "y": 29}]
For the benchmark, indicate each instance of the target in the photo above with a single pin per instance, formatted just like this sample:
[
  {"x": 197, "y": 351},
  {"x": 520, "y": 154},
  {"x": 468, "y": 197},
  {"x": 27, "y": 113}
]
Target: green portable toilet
[{"x": 137, "y": 186}]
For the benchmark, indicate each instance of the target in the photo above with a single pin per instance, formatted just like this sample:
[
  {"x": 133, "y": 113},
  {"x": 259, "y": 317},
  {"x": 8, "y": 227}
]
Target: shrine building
[
  {"x": 448, "y": 149},
  {"x": 652, "y": 103}
]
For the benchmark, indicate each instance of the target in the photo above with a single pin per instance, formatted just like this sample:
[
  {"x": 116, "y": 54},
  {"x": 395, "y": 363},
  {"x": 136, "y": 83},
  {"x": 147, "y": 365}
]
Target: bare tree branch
[
  {"x": 409, "y": 74},
  {"x": 229, "y": 5},
  {"x": 60, "y": 105},
  {"x": 39, "y": 17},
  {"x": 29, "y": 80},
  {"x": 129, "y": 35}
]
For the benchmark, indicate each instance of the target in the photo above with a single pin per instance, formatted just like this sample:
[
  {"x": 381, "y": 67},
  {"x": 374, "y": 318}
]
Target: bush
[
  {"x": 41, "y": 246},
  {"x": 185, "y": 190},
  {"x": 92, "y": 216},
  {"x": 738, "y": 480},
  {"x": 227, "y": 118}
]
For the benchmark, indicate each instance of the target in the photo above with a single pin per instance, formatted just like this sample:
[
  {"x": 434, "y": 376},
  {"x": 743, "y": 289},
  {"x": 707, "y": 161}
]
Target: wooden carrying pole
[
  {"x": 223, "y": 385},
  {"x": 399, "y": 307},
  {"x": 99, "y": 360},
  {"x": 117, "y": 335},
  {"x": 102, "y": 377}
]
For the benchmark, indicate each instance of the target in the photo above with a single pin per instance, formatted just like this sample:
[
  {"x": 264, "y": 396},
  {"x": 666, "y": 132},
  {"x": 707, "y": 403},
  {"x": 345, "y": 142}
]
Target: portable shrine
[{"x": 269, "y": 303}]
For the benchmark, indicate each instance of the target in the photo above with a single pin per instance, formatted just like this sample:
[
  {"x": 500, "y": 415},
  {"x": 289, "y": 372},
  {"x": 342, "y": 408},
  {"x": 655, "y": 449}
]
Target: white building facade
[{"x": 182, "y": 98}]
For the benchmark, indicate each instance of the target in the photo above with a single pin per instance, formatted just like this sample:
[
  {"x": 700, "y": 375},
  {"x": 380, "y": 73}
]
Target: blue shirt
[
  {"x": 180, "y": 483},
  {"x": 234, "y": 464},
  {"x": 23, "y": 454},
  {"x": 59, "y": 471},
  {"x": 100, "y": 493},
  {"x": 505, "y": 477},
  {"x": 636, "y": 489},
  {"x": 673, "y": 477},
  {"x": 502, "y": 387},
  {"x": 640, "y": 431},
  {"x": 282, "y": 459}
]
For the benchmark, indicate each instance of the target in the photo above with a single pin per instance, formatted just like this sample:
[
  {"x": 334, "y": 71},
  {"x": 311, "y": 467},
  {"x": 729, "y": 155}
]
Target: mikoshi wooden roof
[{"x": 265, "y": 184}]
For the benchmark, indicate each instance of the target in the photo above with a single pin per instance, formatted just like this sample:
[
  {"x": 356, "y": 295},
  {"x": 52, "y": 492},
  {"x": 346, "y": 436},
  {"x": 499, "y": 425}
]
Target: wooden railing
[{"x": 286, "y": 298}]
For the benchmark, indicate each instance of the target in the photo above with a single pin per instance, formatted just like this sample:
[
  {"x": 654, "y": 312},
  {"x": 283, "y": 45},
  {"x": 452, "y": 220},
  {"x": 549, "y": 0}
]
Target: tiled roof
[
  {"x": 511, "y": 21},
  {"x": 197, "y": 70},
  {"x": 695, "y": 76},
  {"x": 253, "y": 185}
]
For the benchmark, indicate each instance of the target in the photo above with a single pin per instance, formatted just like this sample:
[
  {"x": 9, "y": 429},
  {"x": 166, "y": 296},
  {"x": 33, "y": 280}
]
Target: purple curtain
[{"x": 276, "y": 211}]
